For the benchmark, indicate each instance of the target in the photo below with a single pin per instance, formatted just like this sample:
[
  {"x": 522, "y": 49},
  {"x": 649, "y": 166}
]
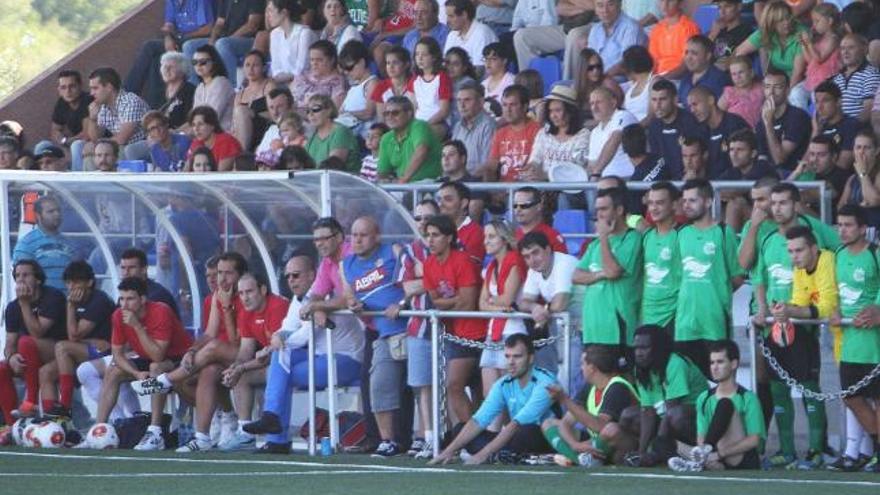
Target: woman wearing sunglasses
[
  {"x": 590, "y": 76},
  {"x": 214, "y": 89},
  {"x": 331, "y": 138},
  {"x": 358, "y": 109}
]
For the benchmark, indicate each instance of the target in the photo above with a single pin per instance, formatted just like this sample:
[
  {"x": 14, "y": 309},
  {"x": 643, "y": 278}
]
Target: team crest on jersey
[
  {"x": 709, "y": 249},
  {"x": 848, "y": 295},
  {"x": 859, "y": 275},
  {"x": 693, "y": 268},
  {"x": 370, "y": 280},
  {"x": 781, "y": 274},
  {"x": 666, "y": 254},
  {"x": 655, "y": 274}
]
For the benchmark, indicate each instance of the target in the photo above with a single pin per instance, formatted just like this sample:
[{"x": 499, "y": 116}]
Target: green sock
[
  {"x": 560, "y": 445},
  {"x": 783, "y": 411},
  {"x": 816, "y": 419}
]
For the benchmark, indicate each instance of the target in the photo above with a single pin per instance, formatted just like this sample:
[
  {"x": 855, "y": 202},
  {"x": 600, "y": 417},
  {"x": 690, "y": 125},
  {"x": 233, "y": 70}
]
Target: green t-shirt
[
  {"x": 662, "y": 276},
  {"x": 745, "y": 403},
  {"x": 858, "y": 285},
  {"x": 358, "y": 11},
  {"x": 774, "y": 270},
  {"x": 782, "y": 54},
  {"x": 708, "y": 265},
  {"x": 340, "y": 137},
  {"x": 608, "y": 304},
  {"x": 395, "y": 154},
  {"x": 683, "y": 381},
  {"x": 764, "y": 229}
]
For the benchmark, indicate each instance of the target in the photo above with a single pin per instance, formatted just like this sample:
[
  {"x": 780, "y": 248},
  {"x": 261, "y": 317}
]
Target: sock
[
  {"x": 866, "y": 448},
  {"x": 765, "y": 397},
  {"x": 241, "y": 423},
  {"x": 27, "y": 347},
  {"x": 876, "y": 439},
  {"x": 560, "y": 445},
  {"x": 783, "y": 411},
  {"x": 155, "y": 429},
  {"x": 816, "y": 419},
  {"x": 65, "y": 386},
  {"x": 90, "y": 380},
  {"x": 720, "y": 422},
  {"x": 429, "y": 436},
  {"x": 46, "y": 405},
  {"x": 203, "y": 438},
  {"x": 8, "y": 395},
  {"x": 854, "y": 435},
  {"x": 163, "y": 379}
]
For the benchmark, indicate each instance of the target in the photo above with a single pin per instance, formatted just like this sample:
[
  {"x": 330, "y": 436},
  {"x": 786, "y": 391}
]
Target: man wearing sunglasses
[
  {"x": 528, "y": 211},
  {"x": 411, "y": 151}
]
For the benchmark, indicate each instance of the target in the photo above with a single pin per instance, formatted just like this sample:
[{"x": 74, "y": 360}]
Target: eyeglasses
[
  {"x": 592, "y": 67},
  {"x": 315, "y": 109},
  {"x": 153, "y": 128},
  {"x": 524, "y": 206},
  {"x": 392, "y": 113},
  {"x": 292, "y": 275},
  {"x": 419, "y": 218},
  {"x": 324, "y": 238},
  {"x": 201, "y": 61}
]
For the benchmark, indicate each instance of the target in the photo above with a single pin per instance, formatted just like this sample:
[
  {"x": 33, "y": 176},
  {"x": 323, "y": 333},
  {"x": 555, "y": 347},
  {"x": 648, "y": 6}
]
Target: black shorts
[
  {"x": 802, "y": 359},
  {"x": 852, "y": 373},
  {"x": 697, "y": 351},
  {"x": 457, "y": 351},
  {"x": 143, "y": 364},
  {"x": 751, "y": 460}
]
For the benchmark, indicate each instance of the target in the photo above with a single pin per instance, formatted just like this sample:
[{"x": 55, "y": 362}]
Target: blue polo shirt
[
  {"x": 439, "y": 33},
  {"x": 170, "y": 160},
  {"x": 793, "y": 126},
  {"x": 714, "y": 80},
  {"x": 719, "y": 159},
  {"x": 665, "y": 139},
  {"x": 189, "y": 15},
  {"x": 625, "y": 33},
  {"x": 529, "y": 405},
  {"x": 376, "y": 282}
]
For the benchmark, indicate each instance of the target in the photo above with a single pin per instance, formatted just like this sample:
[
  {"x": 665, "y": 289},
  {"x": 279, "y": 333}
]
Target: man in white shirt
[
  {"x": 606, "y": 156},
  {"x": 280, "y": 104},
  {"x": 466, "y": 32}
]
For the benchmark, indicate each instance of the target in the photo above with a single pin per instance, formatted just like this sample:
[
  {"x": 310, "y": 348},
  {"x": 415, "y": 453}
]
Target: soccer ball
[
  {"x": 18, "y": 429},
  {"x": 102, "y": 436},
  {"x": 48, "y": 435},
  {"x": 30, "y": 435}
]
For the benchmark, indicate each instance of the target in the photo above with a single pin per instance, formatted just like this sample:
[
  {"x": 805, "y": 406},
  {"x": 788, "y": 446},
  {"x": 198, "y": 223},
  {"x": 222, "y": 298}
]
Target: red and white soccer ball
[
  {"x": 48, "y": 435},
  {"x": 18, "y": 429},
  {"x": 30, "y": 435},
  {"x": 102, "y": 436}
]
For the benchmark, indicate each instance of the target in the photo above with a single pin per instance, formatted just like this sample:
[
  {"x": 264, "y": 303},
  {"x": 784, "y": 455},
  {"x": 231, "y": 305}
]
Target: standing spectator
[
  {"x": 700, "y": 71},
  {"x": 251, "y": 116},
  {"x": 638, "y": 67},
  {"x": 71, "y": 109},
  {"x": 606, "y": 156},
  {"x": 430, "y": 87},
  {"x": 179, "y": 92},
  {"x": 46, "y": 245},
  {"x": 858, "y": 81},
  {"x": 208, "y": 132},
  {"x": 528, "y": 211},
  {"x": 784, "y": 130},
  {"x": 322, "y": 77},
  {"x": 167, "y": 149},
  {"x": 822, "y": 54},
  {"x": 454, "y": 199},
  {"x": 232, "y": 34},
  {"x": 614, "y": 33},
  {"x": 476, "y": 127},
  {"x": 668, "y": 39},
  {"x": 719, "y": 124},
  {"x": 466, "y": 31},
  {"x": 214, "y": 88},
  {"x": 331, "y": 138},
  {"x": 410, "y": 151},
  {"x": 728, "y": 31},
  {"x": 512, "y": 144},
  {"x": 289, "y": 40},
  {"x": 669, "y": 125},
  {"x": 830, "y": 120},
  {"x": 746, "y": 96}
]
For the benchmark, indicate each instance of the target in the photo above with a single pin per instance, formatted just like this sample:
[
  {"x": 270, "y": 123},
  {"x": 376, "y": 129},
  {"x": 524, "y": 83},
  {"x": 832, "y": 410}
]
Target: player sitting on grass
[
  {"x": 609, "y": 404},
  {"x": 522, "y": 394},
  {"x": 730, "y": 424}
]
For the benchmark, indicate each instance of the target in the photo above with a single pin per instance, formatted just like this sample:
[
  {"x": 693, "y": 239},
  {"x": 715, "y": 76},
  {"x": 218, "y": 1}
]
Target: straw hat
[{"x": 565, "y": 94}]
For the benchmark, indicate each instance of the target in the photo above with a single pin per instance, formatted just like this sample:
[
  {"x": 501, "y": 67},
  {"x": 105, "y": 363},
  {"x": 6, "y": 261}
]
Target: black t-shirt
[
  {"x": 236, "y": 13},
  {"x": 69, "y": 118},
  {"x": 177, "y": 107},
  {"x": 794, "y": 125},
  {"x": 98, "y": 310},
  {"x": 728, "y": 39},
  {"x": 157, "y": 293},
  {"x": 51, "y": 305},
  {"x": 760, "y": 169},
  {"x": 843, "y": 132},
  {"x": 719, "y": 160},
  {"x": 665, "y": 139},
  {"x": 836, "y": 177},
  {"x": 652, "y": 168}
]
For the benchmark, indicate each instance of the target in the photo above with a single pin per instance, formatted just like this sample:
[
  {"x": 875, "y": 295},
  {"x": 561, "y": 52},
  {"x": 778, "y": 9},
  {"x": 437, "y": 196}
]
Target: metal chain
[
  {"x": 792, "y": 383},
  {"x": 444, "y": 411},
  {"x": 476, "y": 344}
]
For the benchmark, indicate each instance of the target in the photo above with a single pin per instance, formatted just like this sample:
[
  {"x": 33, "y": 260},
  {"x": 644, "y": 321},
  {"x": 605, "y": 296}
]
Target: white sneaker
[
  {"x": 228, "y": 424},
  {"x": 193, "y": 445},
  {"x": 149, "y": 386},
  {"x": 151, "y": 441},
  {"x": 700, "y": 453},
  {"x": 586, "y": 459},
  {"x": 239, "y": 441},
  {"x": 682, "y": 465},
  {"x": 427, "y": 452}
]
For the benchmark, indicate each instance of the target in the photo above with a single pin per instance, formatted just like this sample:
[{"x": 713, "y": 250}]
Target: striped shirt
[{"x": 857, "y": 87}]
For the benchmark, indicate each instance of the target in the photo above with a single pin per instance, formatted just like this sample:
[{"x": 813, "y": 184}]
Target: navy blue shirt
[
  {"x": 156, "y": 292},
  {"x": 98, "y": 310},
  {"x": 652, "y": 168},
  {"x": 51, "y": 305},
  {"x": 714, "y": 80},
  {"x": 843, "y": 132},
  {"x": 719, "y": 160},
  {"x": 761, "y": 168},
  {"x": 794, "y": 125},
  {"x": 665, "y": 139}
]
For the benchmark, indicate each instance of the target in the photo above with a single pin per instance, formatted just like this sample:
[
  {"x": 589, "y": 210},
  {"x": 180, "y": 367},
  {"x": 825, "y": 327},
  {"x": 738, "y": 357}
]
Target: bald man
[{"x": 720, "y": 125}]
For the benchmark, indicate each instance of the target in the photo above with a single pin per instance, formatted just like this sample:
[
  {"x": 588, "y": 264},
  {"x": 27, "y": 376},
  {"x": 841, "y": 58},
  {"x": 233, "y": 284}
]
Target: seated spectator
[
  {"x": 453, "y": 160},
  {"x": 280, "y": 105},
  {"x": 358, "y": 109},
  {"x": 331, "y": 138},
  {"x": 232, "y": 34},
  {"x": 8, "y": 153},
  {"x": 201, "y": 161},
  {"x": 208, "y": 132},
  {"x": 322, "y": 77},
  {"x": 466, "y": 32},
  {"x": 746, "y": 96},
  {"x": 50, "y": 158},
  {"x": 858, "y": 81},
  {"x": 783, "y": 132},
  {"x": 700, "y": 71},
  {"x": 668, "y": 39},
  {"x": 370, "y": 163},
  {"x": 71, "y": 109},
  {"x": 498, "y": 78},
  {"x": 214, "y": 89},
  {"x": 821, "y": 47},
  {"x": 861, "y": 18},
  {"x": 744, "y": 161},
  {"x": 426, "y": 24},
  {"x": 291, "y": 132},
  {"x": 694, "y": 159},
  {"x": 529, "y": 212},
  {"x": 179, "y": 92},
  {"x": 614, "y": 33},
  {"x": 250, "y": 112},
  {"x": 512, "y": 144},
  {"x": 113, "y": 113},
  {"x": 295, "y": 158},
  {"x": 728, "y": 31},
  {"x": 339, "y": 29},
  {"x": 475, "y": 128},
  {"x": 183, "y": 20},
  {"x": 863, "y": 187},
  {"x": 430, "y": 87},
  {"x": 589, "y": 76},
  {"x": 460, "y": 70},
  {"x": 670, "y": 125},
  {"x": 410, "y": 151},
  {"x": 831, "y": 121},
  {"x": 167, "y": 149},
  {"x": 719, "y": 124},
  {"x": 605, "y": 156},
  {"x": 106, "y": 155},
  {"x": 289, "y": 40},
  {"x": 820, "y": 163},
  {"x": 398, "y": 67},
  {"x": 535, "y": 40},
  {"x": 647, "y": 167},
  {"x": 638, "y": 67},
  {"x": 564, "y": 140}
]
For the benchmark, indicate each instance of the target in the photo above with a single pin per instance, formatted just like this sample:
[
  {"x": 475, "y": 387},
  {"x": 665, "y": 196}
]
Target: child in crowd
[
  {"x": 291, "y": 132},
  {"x": 430, "y": 88},
  {"x": 822, "y": 52},
  {"x": 746, "y": 96},
  {"x": 498, "y": 78},
  {"x": 371, "y": 161}
]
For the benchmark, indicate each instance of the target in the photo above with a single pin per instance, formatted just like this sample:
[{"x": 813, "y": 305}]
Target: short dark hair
[
  {"x": 856, "y": 211},
  {"x": 691, "y": 141},
  {"x": 328, "y": 223},
  {"x": 257, "y": 53},
  {"x": 602, "y": 357},
  {"x": 71, "y": 73},
  {"x": 136, "y": 284},
  {"x": 279, "y": 91},
  {"x": 703, "y": 41},
  {"x": 332, "y": 163},
  {"x": 666, "y": 86},
  {"x": 327, "y": 47},
  {"x": 134, "y": 253},
  {"x": 39, "y": 273},
  {"x": 445, "y": 225},
  {"x": 380, "y": 126},
  {"x": 463, "y": 7},
  {"x": 833, "y": 147},
  {"x": 669, "y": 187},
  {"x": 766, "y": 181},
  {"x": 208, "y": 114},
  {"x": 773, "y": 71},
  {"x": 258, "y": 278},
  {"x": 637, "y": 59},
  {"x": 517, "y": 90},
  {"x": 533, "y": 239},
  {"x": 787, "y": 187},
  {"x": 829, "y": 87},
  {"x": 726, "y": 346},
  {"x": 472, "y": 86},
  {"x": 109, "y": 142},
  {"x": 520, "y": 338},
  {"x": 291, "y": 154},
  {"x": 536, "y": 194},
  {"x": 634, "y": 140},
  {"x": 801, "y": 232},
  {"x": 38, "y": 204},
  {"x": 858, "y": 16},
  {"x": 745, "y": 135},
  {"x": 107, "y": 75},
  {"x": 241, "y": 264},
  {"x": 618, "y": 198},
  {"x": 459, "y": 147},
  {"x": 704, "y": 187},
  {"x": 212, "y": 261},
  {"x": 78, "y": 270},
  {"x": 463, "y": 191},
  {"x": 498, "y": 49}
]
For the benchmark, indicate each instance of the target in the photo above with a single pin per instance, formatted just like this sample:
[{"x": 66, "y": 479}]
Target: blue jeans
[
  {"x": 231, "y": 49},
  {"x": 280, "y": 383}
]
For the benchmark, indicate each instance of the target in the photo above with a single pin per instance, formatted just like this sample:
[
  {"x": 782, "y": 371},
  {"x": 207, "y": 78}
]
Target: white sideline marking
[
  {"x": 371, "y": 467},
  {"x": 183, "y": 475},
  {"x": 735, "y": 479}
]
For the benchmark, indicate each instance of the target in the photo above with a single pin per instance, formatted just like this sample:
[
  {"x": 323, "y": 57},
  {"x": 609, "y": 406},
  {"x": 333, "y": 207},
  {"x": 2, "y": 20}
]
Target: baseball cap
[{"x": 47, "y": 148}]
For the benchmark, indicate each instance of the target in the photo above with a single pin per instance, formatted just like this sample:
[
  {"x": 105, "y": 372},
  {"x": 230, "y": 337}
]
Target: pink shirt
[
  {"x": 747, "y": 104},
  {"x": 327, "y": 280},
  {"x": 820, "y": 71}
]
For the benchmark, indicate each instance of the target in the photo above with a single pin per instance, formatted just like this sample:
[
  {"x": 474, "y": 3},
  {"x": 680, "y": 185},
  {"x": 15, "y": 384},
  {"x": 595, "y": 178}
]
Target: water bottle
[{"x": 326, "y": 448}]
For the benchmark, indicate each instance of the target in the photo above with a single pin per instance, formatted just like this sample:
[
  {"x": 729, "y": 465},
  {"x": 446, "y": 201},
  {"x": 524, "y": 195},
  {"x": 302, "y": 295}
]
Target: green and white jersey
[
  {"x": 774, "y": 270},
  {"x": 611, "y": 307},
  {"x": 708, "y": 265},
  {"x": 683, "y": 381},
  {"x": 662, "y": 275},
  {"x": 858, "y": 285},
  {"x": 745, "y": 403}
]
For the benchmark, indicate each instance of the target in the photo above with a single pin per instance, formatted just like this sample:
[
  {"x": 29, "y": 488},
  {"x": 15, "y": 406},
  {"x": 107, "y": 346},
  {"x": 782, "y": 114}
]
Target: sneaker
[
  {"x": 267, "y": 424},
  {"x": 228, "y": 427},
  {"x": 150, "y": 386},
  {"x": 844, "y": 464},
  {"x": 562, "y": 461},
  {"x": 150, "y": 441},
  {"x": 387, "y": 449},
  {"x": 632, "y": 459},
  {"x": 872, "y": 466},
  {"x": 27, "y": 409},
  {"x": 540, "y": 460},
  {"x": 700, "y": 453},
  {"x": 813, "y": 460},
  {"x": 682, "y": 465},
  {"x": 239, "y": 441},
  {"x": 273, "y": 448},
  {"x": 416, "y": 446},
  {"x": 427, "y": 452},
  {"x": 193, "y": 445},
  {"x": 778, "y": 460},
  {"x": 587, "y": 460},
  {"x": 58, "y": 412}
]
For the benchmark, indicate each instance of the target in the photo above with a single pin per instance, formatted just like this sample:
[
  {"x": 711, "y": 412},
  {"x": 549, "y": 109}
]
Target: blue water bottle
[{"x": 326, "y": 449}]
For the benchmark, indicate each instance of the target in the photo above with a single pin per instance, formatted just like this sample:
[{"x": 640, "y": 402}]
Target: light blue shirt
[
  {"x": 52, "y": 252},
  {"x": 625, "y": 33},
  {"x": 527, "y": 406},
  {"x": 534, "y": 13},
  {"x": 438, "y": 32}
]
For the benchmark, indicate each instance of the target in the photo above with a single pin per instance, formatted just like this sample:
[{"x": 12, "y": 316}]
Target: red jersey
[
  {"x": 225, "y": 146},
  {"x": 260, "y": 325},
  {"x": 222, "y": 333},
  {"x": 512, "y": 148},
  {"x": 446, "y": 278},
  {"x": 470, "y": 240},
  {"x": 557, "y": 243},
  {"x": 162, "y": 326},
  {"x": 500, "y": 274}
]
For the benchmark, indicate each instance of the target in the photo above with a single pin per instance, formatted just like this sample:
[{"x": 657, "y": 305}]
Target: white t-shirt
[
  {"x": 619, "y": 164},
  {"x": 428, "y": 94},
  {"x": 473, "y": 42},
  {"x": 271, "y": 134},
  {"x": 348, "y": 336},
  {"x": 639, "y": 105},
  {"x": 559, "y": 281},
  {"x": 290, "y": 55}
]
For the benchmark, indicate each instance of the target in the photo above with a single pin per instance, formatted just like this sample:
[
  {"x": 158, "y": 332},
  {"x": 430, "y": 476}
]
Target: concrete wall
[{"x": 116, "y": 46}]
